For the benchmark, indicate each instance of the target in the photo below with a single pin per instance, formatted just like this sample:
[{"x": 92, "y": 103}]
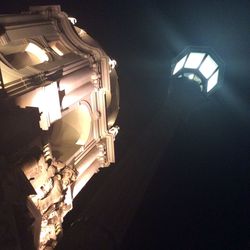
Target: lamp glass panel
[
  {"x": 212, "y": 81},
  {"x": 208, "y": 67},
  {"x": 194, "y": 60},
  {"x": 179, "y": 65}
]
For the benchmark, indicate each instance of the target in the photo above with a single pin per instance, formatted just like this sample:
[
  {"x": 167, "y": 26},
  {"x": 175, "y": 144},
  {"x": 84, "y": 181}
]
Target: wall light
[{"x": 200, "y": 65}]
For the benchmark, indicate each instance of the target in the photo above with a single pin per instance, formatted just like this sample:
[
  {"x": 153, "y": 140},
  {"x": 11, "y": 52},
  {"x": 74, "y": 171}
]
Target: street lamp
[{"x": 200, "y": 65}]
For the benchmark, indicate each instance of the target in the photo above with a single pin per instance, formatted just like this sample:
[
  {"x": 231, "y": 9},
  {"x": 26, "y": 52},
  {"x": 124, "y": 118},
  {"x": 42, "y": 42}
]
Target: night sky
[{"x": 199, "y": 195}]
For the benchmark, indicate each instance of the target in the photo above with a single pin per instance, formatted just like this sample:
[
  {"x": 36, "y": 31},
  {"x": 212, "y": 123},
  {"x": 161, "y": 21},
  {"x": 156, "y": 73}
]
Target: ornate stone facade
[{"x": 59, "y": 101}]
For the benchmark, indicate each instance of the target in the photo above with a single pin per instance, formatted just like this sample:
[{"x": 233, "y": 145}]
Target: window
[
  {"x": 23, "y": 55},
  {"x": 59, "y": 48}
]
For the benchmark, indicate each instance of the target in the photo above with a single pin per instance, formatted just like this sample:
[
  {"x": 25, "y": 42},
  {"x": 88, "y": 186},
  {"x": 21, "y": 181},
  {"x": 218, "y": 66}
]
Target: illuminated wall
[{"x": 56, "y": 71}]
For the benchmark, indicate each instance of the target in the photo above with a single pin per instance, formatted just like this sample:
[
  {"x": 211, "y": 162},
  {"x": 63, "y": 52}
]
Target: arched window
[
  {"x": 25, "y": 55},
  {"x": 71, "y": 132},
  {"x": 59, "y": 48}
]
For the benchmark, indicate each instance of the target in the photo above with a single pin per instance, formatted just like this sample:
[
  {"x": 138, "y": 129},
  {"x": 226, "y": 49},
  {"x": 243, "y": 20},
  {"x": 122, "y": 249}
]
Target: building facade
[{"x": 59, "y": 99}]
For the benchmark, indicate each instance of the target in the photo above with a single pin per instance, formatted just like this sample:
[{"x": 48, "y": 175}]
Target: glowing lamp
[{"x": 200, "y": 65}]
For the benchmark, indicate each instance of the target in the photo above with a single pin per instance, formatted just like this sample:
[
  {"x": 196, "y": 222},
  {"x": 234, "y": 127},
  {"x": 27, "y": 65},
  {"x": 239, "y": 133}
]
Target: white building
[{"x": 59, "y": 101}]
